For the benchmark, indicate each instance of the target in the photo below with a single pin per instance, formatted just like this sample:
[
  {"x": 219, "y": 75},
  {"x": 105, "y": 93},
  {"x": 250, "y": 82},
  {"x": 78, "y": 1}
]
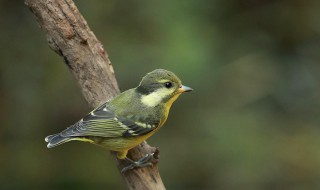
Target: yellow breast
[
  {"x": 120, "y": 144},
  {"x": 169, "y": 104}
]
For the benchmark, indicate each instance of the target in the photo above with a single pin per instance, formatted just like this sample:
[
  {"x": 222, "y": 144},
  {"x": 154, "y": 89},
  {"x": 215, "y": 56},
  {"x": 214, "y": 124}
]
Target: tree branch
[{"x": 69, "y": 35}]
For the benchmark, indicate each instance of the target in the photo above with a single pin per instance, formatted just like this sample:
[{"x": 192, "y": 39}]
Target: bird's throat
[{"x": 170, "y": 102}]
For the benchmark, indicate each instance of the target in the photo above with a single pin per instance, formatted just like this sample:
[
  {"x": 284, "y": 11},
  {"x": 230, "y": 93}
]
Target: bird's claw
[{"x": 142, "y": 162}]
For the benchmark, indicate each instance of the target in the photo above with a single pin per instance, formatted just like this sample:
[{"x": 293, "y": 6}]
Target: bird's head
[{"x": 160, "y": 86}]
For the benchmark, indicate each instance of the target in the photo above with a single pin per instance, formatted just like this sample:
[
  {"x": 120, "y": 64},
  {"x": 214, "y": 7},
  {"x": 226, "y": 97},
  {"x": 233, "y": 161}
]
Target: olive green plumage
[{"x": 129, "y": 118}]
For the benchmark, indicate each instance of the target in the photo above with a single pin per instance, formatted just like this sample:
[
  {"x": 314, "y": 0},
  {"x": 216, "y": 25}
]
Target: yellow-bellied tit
[{"x": 129, "y": 118}]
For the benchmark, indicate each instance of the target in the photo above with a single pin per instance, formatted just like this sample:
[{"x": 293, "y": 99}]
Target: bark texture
[{"x": 69, "y": 35}]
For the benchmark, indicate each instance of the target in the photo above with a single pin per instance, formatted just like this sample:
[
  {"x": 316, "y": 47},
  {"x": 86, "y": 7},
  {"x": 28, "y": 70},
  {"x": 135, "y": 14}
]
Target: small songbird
[{"x": 129, "y": 118}]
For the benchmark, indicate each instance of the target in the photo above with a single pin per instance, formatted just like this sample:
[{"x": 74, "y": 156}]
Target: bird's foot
[{"x": 142, "y": 162}]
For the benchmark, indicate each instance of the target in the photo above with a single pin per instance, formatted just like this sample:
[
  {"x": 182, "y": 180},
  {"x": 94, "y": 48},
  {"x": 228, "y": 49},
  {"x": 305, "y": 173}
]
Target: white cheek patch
[
  {"x": 151, "y": 100},
  {"x": 154, "y": 98}
]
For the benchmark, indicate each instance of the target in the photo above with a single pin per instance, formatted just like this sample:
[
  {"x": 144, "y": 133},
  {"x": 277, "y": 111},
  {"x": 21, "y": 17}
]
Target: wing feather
[{"x": 102, "y": 122}]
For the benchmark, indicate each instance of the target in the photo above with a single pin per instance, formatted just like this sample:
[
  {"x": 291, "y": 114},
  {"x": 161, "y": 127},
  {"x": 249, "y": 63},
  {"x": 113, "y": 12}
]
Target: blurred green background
[{"x": 252, "y": 122}]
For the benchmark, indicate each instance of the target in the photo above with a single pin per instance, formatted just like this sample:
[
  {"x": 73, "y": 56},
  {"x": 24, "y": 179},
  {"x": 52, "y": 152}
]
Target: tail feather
[
  {"x": 55, "y": 140},
  {"x": 48, "y": 138}
]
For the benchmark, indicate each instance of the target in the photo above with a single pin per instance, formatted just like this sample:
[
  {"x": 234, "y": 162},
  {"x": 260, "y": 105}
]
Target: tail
[{"x": 56, "y": 139}]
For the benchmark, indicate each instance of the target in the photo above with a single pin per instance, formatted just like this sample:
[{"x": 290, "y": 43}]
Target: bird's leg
[{"x": 142, "y": 162}]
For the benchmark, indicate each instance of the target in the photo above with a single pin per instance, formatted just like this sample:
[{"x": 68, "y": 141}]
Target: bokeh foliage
[{"x": 251, "y": 123}]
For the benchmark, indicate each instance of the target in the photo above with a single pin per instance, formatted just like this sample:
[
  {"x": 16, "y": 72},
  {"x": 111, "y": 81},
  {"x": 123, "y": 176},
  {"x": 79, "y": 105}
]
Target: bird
[{"x": 128, "y": 119}]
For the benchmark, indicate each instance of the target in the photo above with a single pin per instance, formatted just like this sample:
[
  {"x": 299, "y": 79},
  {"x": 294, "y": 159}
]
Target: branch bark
[{"x": 69, "y": 35}]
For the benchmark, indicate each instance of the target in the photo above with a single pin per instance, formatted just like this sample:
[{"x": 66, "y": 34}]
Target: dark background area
[{"x": 252, "y": 121}]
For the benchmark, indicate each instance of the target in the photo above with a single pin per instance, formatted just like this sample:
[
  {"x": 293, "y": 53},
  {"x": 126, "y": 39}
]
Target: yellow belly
[{"x": 123, "y": 144}]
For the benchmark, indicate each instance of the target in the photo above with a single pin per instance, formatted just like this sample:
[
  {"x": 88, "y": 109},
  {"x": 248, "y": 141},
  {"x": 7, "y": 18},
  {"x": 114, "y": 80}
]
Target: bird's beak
[{"x": 184, "y": 89}]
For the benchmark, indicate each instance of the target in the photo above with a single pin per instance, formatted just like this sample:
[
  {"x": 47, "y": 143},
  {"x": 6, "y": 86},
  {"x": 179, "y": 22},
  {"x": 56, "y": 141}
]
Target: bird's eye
[{"x": 168, "y": 84}]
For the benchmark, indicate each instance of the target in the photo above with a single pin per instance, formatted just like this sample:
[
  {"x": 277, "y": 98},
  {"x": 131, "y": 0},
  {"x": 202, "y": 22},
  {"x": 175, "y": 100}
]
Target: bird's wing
[{"x": 101, "y": 122}]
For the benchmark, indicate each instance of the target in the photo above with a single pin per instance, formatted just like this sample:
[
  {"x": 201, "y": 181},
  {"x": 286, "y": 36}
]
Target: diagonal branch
[{"x": 69, "y": 35}]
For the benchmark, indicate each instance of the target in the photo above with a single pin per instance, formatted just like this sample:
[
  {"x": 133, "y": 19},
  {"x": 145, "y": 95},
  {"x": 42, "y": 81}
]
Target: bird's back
[{"x": 135, "y": 110}]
